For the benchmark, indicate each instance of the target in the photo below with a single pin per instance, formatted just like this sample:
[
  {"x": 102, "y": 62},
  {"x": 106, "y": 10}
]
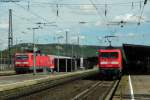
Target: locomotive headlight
[
  {"x": 21, "y": 63},
  {"x": 25, "y": 63},
  {"x": 104, "y": 62},
  {"x": 114, "y": 62},
  {"x": 17, "y": 62}
]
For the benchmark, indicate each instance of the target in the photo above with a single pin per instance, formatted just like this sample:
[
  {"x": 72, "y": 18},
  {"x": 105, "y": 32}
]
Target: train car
[
  {"x": 110, "y": 62},
  {"x": 24, "y": 62}
]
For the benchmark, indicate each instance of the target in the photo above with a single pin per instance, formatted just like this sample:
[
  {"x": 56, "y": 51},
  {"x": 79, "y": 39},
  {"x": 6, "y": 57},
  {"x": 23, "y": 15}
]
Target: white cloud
[
  {"x": 128, "y": 18},
  {"x": 82, "y": 37},
  {"x": 87, "y": 8},
  {"x": 3, "y": 25},
  {"x": 131, "y": 35},
  {"x": 98, "y": 23},
  {"x": 99, "y": 38},
  {"x": 74, "y": 38},
  {"x": 126, "y": 35}
]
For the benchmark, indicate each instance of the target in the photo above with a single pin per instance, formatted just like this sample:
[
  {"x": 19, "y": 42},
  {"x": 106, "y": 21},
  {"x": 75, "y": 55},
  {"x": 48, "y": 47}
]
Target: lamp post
[
  {"x": 1, "y": 60},
  {"x": 82, "y": 56},
  {"x": 82, "y": 37},
  {"x": 34, "y": 56},
  {"x": 71, "y": 56},
  {"x": 34, "y": 48},
  {"x": 59, "y": 37},
  {"x": 1, "y": 56}
]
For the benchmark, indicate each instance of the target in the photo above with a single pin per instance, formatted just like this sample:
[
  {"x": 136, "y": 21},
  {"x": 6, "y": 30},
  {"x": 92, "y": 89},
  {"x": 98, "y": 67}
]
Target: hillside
[
  {"x": 61, "y": 49},
  {"x": 58, "y": 49}
]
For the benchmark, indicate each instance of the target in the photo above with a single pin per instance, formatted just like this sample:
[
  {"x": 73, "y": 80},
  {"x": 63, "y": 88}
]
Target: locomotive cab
[
  {"x": 22, "y": 62},
  {"x": 110, "y": 62}
]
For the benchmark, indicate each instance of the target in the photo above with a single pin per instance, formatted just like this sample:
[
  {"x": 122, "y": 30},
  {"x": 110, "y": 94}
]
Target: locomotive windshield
[
  {"x": 21, "y": 57},
  {"x": 109, "y": 54}
]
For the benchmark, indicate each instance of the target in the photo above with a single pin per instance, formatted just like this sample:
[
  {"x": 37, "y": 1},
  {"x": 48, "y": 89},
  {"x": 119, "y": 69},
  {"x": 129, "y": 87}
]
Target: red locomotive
[
  {"x": 110, "y": 62},
  {"x": 24, "y": 62}
]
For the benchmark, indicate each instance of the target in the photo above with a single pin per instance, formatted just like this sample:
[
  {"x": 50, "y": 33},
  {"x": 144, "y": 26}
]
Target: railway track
[
  {"x": 81, "y": 89},
  {"x": 98, "y": 91},
  {"x": 24, "y": 87}
]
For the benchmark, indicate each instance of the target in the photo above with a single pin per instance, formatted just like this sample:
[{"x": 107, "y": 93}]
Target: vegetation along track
[{"x": 81, "y": 89}]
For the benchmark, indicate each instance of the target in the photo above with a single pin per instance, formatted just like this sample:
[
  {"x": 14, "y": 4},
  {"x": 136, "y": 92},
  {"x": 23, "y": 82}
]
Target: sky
[{"x": 89, "y": 20}]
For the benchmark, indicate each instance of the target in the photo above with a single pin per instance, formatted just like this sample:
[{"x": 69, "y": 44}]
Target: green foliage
[{"x": 61, "y": 49}]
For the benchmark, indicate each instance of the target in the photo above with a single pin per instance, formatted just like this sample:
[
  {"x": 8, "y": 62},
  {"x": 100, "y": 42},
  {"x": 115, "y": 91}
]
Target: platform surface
[
  {"x": 137, "y": 89},
  {"x": 15, "y": 81},
  {"x": 11, "y": 72}
]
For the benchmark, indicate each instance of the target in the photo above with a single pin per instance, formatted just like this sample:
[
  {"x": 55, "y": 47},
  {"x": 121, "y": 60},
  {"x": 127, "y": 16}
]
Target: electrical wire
[
  {"x": 105, "y": 19},
  {"x": 97, "y": 4},
  {"x": 24, "y": 18},
  {"x": 141, "y": 13},
  {"x": 75, "y": 4},
  {"x": 33, "y": 13}
]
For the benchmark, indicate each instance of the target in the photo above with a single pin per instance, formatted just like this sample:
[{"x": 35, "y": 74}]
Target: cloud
[
  {"x": 126, "y": 35},
  {"x": 82, "y": 37},
  {"x": 128, "y": 18},
  {"x": 131, "y": 35},
  {"x": 100, "y": 38},
  {"x": 3, "y": 25},
  {"x": 98, "y": 23},
  {"x": 87, "y": 8}
]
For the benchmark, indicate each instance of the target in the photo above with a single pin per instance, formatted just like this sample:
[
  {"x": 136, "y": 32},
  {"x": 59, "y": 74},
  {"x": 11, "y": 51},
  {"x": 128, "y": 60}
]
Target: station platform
[
  {"x": 23, "y": 82},
  {"x": 134, "y": 87},
  {"x": 11, "y": 72}
]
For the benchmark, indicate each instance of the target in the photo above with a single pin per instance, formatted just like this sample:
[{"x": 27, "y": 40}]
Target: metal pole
[
  {"x": 66, "y": 64},
  {"x": 71, "y": 58},
  {"x": 66, "y": 37},
  {"x": 1, "y": 60},
  {"x": 58, "y": 61},
  {"x": 66, "y": 43},
  {"x": 34, "y": 56},
  {"x": 58, "y": 67},
  {"x": 10, "y": 37},
  {"x": 58, "y": 57}
]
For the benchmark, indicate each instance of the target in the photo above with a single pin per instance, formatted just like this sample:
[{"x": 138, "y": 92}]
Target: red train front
[
  {"x": 110, "y": 62},
  {"x": 24, "y": 62}
]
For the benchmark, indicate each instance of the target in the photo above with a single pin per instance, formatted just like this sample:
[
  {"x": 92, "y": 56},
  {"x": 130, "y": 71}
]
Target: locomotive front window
[
  {"x": 109, "y": 54},
  {"x": 21, "y": 57}
]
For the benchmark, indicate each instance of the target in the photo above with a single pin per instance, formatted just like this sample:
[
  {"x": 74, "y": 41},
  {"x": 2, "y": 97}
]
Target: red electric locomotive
[
  {"x": 110, "y": 62},
  {"x": 24, "y": 62}
]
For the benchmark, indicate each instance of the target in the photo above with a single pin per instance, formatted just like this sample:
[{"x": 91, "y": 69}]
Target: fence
[{"x": 6, "y": 65}]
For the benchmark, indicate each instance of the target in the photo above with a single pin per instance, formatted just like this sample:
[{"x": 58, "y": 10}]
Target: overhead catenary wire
[
  {"x": 141, "y": 14},
  {"x": 104, "y": 18},
  {"x": 91, "y": 5},
  {"x": 136, "y": 3},
  {"x": 145, "y": 2},
  {"x": 31, "y": 12},
  {"x": 97, "y": 4},
  {"x": 23, "y": 18}
]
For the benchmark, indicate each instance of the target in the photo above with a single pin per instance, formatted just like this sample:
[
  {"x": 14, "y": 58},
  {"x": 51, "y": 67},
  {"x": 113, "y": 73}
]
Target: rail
[
  {"x": 112, "y": 90},
  {"x": 24, "y": 88},
  {"x": 104, "y": 88}
]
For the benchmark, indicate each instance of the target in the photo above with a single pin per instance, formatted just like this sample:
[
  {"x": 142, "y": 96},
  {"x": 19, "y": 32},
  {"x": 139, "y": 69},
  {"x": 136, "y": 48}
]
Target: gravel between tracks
[
  {"x": 69, "y": 90},
  {"x": 61, "y": 92}
]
